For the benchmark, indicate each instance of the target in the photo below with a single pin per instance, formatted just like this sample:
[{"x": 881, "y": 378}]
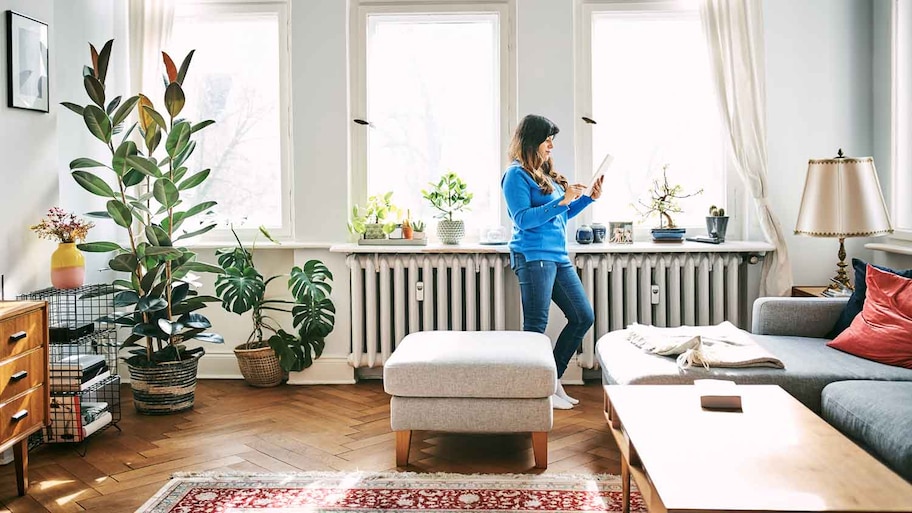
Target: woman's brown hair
[{"x": 528, "y": 136}]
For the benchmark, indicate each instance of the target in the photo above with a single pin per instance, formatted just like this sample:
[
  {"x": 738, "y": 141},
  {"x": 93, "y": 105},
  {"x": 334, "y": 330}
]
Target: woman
[{"x": 540, "y": 201}]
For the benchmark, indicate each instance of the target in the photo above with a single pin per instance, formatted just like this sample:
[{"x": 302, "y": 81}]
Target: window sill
[
  {"x": 898, "y": 248},
  {"x": 574, "y": 248},
  {"x": 261, "y": 245}
]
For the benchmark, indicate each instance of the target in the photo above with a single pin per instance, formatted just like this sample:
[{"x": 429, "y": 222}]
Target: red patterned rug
[{"x": 367, "y": 492}]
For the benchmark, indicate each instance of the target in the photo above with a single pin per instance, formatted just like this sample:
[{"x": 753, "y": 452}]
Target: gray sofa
[{"x": 869, "y": 402}]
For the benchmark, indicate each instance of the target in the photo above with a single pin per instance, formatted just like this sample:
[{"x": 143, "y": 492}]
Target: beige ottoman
[{"x": 472, "y": 382}]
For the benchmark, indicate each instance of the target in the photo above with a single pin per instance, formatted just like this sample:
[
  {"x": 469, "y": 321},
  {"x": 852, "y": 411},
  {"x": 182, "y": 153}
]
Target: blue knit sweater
[{"x": 539, "y": 223}]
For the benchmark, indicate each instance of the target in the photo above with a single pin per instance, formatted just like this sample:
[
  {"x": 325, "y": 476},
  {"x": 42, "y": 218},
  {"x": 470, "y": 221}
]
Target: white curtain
[
  {"x": 734, "y": 33},
  {"x": 150, "y": 24}
]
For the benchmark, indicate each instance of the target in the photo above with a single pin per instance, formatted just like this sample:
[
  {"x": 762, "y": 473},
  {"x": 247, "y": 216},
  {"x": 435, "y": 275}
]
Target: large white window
[
  {"x": 238, "y": 78},
  {"x": 645, "y": 80},
  {"x": 902, "y": 120},
  {"x": 432, "y": 83}
]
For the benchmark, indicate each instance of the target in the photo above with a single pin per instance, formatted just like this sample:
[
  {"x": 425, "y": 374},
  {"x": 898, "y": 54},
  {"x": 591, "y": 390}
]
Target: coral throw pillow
[
  {"x": 856, "y": 302},
  {"x": 883, "y": 331}
]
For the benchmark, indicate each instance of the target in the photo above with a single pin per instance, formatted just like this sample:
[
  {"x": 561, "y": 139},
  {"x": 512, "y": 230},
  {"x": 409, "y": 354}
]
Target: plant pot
[
  {"x": 260, "y": 366},
  {"x": 450, "y": 232},
  {"x": 716, "y": 226},
  {"x": 418, "y": 236},
  {"x": 67, "y": 266},
  {"x": 374, "y": 231},
  {"x": 164, "y": 388},
  {"x": 668, "y": 234}
]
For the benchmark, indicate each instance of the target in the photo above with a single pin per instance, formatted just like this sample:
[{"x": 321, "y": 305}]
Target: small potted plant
[
  {"x": 717, "y": 223},
  {"x": 270, "y": 351},
  {"x": 370, "y": 221},
  {"x": 664, "y": 202},
  {"x": 67, "y": 262},
  {"x": 418, "y": 229},
  {"x": 449, "y": 195}
]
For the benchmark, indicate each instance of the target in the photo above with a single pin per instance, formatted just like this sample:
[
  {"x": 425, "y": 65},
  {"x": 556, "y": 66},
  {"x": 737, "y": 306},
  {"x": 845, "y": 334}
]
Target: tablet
[{"x": 606, "y": 163}]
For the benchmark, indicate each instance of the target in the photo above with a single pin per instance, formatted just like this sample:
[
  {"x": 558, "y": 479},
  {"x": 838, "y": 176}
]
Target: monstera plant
[
  {"x": 143, "y": 185},
  {"x": 270, "y": 349}
]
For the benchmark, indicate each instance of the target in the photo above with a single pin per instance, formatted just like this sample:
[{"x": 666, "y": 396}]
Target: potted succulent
[
  {"x": 270, "y": 351},
  {"x": 449, "y": 195},
  {"x": 418, "y": 230},
  {"x": 160, "y": 307},
  {"x": 717, "y": 223},
  {"x": 664, "y": 202},
  {"x": 371, "y": 220}
]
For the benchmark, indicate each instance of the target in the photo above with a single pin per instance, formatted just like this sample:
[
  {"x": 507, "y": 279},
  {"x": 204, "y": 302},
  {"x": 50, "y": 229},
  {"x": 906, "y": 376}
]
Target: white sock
[
  {"x": 559, "y": 404},
  {"x": 560, "y": 392}
]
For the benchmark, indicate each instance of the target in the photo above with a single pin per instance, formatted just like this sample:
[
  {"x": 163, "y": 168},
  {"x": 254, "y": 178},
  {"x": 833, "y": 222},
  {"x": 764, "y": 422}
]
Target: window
[
  {"x": 239, "y": 79},
  {"x": 432, "y": 85},
  {"x": 902, "y": 120},
  {"x": 646, "y": 83}
]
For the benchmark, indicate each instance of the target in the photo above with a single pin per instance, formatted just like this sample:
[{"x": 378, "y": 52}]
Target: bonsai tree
[
  {"x": 370, "y": 221},
  {"x": 242, "y": 289},
  {"x": 664, "y": 200},
  {"x": 448, "y": 195},
  {"x": 161, "y": 306}
]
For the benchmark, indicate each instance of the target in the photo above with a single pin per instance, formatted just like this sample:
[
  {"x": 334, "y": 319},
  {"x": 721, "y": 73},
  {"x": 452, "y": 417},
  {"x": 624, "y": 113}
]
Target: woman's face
[{"x": 544, "y": 149}]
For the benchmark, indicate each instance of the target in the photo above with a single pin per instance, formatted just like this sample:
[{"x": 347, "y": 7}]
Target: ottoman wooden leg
[
  {"x": 403, "y": 441},
  {"x": 540, "y": 448}
]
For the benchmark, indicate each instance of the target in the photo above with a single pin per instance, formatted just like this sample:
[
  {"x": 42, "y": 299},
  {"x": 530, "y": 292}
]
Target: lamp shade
[{"x": 842, "y": 198}]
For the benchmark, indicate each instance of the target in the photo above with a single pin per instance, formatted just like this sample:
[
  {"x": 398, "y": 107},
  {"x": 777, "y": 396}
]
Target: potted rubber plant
[
  {"x": 270, "y": 351},
  {"x": 449, "y": 196},
  {"x": 142, "y": 185}
]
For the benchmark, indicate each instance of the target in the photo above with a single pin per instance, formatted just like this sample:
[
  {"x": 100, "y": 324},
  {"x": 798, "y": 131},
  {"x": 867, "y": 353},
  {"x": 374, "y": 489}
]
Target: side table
[{"x": 808, "y": 291}]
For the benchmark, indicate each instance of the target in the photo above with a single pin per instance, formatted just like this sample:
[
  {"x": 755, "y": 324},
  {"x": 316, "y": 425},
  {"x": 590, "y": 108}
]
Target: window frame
[
  {"x": 584, "y": 10},
  {"x": 903, "y": 233},
  {"x": 503, "y": 9},
  {"x": 282, "y": 9}
]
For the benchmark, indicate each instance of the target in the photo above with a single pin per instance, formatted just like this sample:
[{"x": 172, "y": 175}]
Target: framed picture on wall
[{"x": 27, "y": 62}]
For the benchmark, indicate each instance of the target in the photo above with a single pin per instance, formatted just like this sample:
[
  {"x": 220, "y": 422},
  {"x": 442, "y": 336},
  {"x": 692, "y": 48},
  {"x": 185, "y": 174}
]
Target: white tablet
[{"x": 606, "y": 163}]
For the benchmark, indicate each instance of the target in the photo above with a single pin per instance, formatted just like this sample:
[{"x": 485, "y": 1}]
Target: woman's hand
[
  {"x": 573, "y": 192},
  {"x": 597, "y": 188}
]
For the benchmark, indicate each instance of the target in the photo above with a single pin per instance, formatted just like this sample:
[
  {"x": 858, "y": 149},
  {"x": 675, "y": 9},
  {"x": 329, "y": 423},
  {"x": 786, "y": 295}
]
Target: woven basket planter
[
  {"x": 260, "y": 367},
  {"x": 164, "y": 388}
]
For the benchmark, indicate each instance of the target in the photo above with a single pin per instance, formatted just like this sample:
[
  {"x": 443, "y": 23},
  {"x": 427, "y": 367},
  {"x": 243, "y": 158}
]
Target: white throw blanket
[{"x": 723, "y": 345}]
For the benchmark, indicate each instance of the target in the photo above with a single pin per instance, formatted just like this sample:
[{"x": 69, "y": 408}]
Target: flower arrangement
[{"x": 62, "y": 226}]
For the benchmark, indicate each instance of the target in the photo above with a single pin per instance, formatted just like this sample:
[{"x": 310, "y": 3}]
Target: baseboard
[{"x": 327, "y": 370}]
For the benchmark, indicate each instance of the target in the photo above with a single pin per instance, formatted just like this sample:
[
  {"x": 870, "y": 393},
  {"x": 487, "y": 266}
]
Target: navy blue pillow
[{"x": 856, "y": 301}]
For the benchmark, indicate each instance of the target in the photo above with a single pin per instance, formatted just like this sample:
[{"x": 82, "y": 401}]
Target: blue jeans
[{"x": 540, "y": 282}]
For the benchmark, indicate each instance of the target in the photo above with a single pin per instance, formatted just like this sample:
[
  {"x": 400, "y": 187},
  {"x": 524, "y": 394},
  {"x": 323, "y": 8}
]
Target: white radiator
[
  {"x": 661, "y": 289},
  {"x": 394, "y": 295}
]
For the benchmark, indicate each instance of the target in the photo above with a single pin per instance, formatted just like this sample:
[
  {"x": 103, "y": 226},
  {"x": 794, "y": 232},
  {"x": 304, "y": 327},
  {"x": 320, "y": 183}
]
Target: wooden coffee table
[{"x": 775, "y": 455}]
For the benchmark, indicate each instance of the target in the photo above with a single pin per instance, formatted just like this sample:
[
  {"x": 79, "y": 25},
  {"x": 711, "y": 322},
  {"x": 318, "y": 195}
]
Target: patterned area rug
[{"x": 367, "y": 492}]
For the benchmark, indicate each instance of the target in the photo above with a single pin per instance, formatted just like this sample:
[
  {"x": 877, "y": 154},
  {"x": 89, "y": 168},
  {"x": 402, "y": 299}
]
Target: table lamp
[{"x": 842, "y": 198}]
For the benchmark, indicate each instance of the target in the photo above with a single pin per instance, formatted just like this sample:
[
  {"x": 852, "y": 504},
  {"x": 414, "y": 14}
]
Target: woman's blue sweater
[{"x": 539, "y": 223}]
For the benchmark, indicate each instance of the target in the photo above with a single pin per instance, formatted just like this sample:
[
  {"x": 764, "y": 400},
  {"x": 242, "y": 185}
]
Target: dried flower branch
[{"x": 62, "y": 226}]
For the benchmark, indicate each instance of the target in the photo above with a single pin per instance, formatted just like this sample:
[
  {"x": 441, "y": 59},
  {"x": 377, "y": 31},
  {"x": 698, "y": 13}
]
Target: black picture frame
[{"x": 27, "y": 59}]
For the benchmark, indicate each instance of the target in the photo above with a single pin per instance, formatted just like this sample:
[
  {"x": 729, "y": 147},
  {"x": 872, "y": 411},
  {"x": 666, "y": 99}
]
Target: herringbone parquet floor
[{"x": 234, "y": 427}]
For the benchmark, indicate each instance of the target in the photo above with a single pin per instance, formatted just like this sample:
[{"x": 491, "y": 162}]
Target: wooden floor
[{"x": 234, "y": 427}]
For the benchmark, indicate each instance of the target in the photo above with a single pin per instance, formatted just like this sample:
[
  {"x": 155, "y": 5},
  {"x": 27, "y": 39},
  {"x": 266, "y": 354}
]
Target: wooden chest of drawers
[{"x": 24, "y": 394}]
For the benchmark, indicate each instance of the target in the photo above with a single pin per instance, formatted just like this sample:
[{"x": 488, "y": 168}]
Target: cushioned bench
[{"x": 474, "y": 382}]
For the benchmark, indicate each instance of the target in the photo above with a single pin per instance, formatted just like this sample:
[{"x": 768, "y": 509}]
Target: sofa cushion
[
  {"x": 856, "y": 301},
  {"x": 883, "y": 331},
  {"x": 809, "y": 366},
  {"x": 501, "y": 364},
  {"x": 877, "y": 415}
]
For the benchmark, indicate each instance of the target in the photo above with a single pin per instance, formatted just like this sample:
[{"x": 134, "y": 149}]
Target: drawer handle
[
  {"x": 19, "y": 375},
  {"x": 19, "y": 335},
  {"x": 19, "y": 415}
]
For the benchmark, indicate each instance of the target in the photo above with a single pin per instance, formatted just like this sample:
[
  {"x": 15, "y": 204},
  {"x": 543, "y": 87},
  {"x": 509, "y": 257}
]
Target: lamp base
[{"x": 841, "y": 280}]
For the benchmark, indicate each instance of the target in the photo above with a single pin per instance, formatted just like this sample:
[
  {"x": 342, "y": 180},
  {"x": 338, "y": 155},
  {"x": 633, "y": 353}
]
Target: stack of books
[
  {"x": 72, "y": 420},
  {"x": 78, "y": 372}
]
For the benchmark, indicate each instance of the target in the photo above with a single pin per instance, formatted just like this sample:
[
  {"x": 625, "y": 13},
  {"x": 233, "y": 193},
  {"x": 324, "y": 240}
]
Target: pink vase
[{"x": 67, "y": 266}]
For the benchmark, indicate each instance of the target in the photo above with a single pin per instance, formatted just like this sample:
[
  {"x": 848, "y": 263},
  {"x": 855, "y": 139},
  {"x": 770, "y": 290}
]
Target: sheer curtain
[
  {"x": 734, "y": 33},
  {"x": 150, "y": 23}
]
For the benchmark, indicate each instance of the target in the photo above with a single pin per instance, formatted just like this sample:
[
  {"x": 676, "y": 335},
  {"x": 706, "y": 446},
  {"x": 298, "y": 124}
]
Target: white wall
[
  {"x": 819, "y": 89},
  {"x": 819, "y": 99},
  {"x": 28, "y": 143}
]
